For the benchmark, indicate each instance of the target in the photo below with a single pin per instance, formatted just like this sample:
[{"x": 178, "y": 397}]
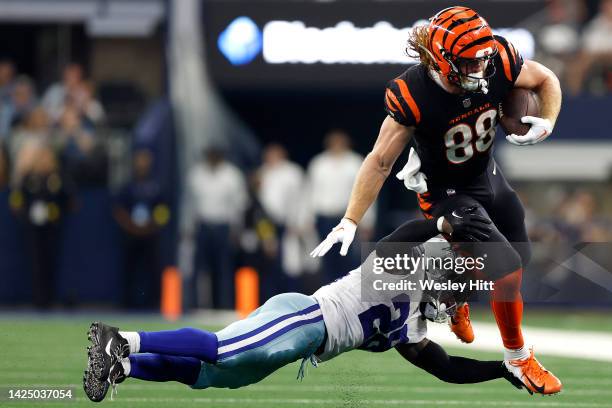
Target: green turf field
[{"x": 51, "y": 352}]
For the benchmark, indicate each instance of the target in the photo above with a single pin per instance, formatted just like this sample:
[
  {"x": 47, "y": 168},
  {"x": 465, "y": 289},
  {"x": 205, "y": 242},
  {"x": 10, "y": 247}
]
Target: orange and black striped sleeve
[
  {"x": 510, "y": 59},
  {"x": 400, "y": 103}
]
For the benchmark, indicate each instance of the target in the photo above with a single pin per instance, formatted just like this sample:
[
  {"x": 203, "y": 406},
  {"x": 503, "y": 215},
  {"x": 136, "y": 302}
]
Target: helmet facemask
[
  {"x": 440, "y": 305},
  {"x": 438, "y": 309},
  {"x": 471, "y": 74}
]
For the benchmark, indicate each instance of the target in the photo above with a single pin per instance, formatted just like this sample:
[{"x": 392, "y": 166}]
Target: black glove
[{"x": 468, "y": 225}]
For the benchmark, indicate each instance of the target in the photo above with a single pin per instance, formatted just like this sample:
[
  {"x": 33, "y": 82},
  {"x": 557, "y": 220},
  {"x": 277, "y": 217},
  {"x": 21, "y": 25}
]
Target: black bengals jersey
[{"x": 453, "y": 132}]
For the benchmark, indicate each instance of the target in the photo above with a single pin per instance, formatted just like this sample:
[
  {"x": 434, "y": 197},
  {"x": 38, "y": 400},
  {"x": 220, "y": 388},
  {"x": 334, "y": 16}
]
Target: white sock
[
  {"x": 133, "y": 339},
  {"x": 127, "y": 366},
  {"x": 516, "y": 354}
]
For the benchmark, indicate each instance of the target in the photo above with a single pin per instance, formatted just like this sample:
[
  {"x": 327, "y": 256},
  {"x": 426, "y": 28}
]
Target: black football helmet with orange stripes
[{"x": 462, "y": 45}]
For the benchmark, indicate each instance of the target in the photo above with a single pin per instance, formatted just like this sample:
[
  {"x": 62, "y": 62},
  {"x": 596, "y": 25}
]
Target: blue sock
[
  {"x": 187, "y": 342},
  {"x": 158, "y": 367}
]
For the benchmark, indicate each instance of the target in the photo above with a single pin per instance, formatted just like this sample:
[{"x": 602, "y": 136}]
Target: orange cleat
[
  {"x": 534, "y": 376},
  {"x": 461, "y": 325}
]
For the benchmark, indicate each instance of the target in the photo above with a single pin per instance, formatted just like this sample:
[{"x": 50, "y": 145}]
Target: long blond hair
[{"x": 419, "y": 47}]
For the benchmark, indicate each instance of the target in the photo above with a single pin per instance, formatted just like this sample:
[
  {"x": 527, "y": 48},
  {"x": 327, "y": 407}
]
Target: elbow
[
  {"x": 553, "y": 82},
  {"x": 378, "y": 163},
  {"x": 549, "y": 81}
]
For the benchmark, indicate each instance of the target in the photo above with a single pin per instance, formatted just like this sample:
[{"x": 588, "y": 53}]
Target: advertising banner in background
[{"x": 338, "y": 44}]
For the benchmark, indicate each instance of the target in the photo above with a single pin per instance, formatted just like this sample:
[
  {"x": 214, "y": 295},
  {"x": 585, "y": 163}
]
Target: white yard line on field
[
  {"x": 366, "y": 402},
  {"x": 591, "y": 345},
  {"x": 563, "y": 343},
  {"x": 264, "y": 388}
]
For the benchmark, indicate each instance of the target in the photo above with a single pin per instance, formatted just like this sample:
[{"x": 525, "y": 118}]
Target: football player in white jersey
[{"x": 289, "y": 327}]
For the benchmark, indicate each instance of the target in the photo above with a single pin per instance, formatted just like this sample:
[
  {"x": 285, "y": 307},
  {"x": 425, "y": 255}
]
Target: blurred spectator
[
  {"x": 558, "y": 33},
  {"x": 89, "y": 107},
  {"x": 40, "y": 200},
  {"x": 7, "y": 74},
  {"x": 596, "y": 52},
  {"x": 597, "y": 36},
  {"x": 4, "y": 169},
  {"x": 84, "y": 158},
  {"x": 7, "y": 230},
  {"x": 141, "y": 212},
  {"x": 220, "y": 196},
  {"x": 579, "y": 213},
  {"x": 66, "y": 92},
  {"x": 27, "y": 140},
  {"x": 75, "y": 140},
  {"x": 280, "y": 185},
  {"x": 330, "y": 178},
  {"x": 571, "y": 216},
  {"x": 21, "y": 102}
]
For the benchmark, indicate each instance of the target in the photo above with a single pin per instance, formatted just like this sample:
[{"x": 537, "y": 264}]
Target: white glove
[
  {"x": 411, "y": 176},
  {"x": 539, "y": 130},
  {"x": 343, "y": 232}
]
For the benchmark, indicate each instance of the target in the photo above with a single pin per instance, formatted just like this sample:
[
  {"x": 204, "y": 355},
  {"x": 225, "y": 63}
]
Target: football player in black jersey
[{"x": 449, "y": 105}]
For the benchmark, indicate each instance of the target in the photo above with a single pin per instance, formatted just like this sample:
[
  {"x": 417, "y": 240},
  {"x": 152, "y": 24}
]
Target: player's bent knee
[
  {"x": 502, "y": 260},
  {"x": 524, "y": 251}
]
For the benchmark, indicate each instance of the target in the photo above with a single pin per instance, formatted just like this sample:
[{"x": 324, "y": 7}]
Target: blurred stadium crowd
[
  {"x": 53, "y": 147},
  {"x": 50, "y": 147},
  {"x": 575, "y": 41}
]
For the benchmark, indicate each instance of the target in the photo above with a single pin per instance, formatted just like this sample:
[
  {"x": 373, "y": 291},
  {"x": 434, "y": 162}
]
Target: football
[{"x": 518, "y": 103}]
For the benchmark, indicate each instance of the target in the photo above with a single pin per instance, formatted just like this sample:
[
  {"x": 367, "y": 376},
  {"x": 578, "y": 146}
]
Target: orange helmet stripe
[
  {"x": 483, "y": 42},
  {"x": 442, "y": 30},
  {"x": 454, "y": 43},
  {"x": 453, "y": 20},
  {"x": 442, "y": 17},
  {"x": 458, "y": 32},
  {"x": 455, "y": 27},
  {"x": 409, "y": 99}
]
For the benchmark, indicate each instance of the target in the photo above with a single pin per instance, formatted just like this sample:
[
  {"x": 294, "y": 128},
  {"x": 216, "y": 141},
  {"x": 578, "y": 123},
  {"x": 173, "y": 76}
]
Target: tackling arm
[
  {"x": 432, "y": 358},
  {"x": 461, "y": 222}
]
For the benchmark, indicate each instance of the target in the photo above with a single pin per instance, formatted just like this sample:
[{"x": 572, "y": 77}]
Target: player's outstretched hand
[
  {"x": 343, "y": 232},
  {"x": 539, "y": 130},
  {"x": 466, "y": 224}
]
